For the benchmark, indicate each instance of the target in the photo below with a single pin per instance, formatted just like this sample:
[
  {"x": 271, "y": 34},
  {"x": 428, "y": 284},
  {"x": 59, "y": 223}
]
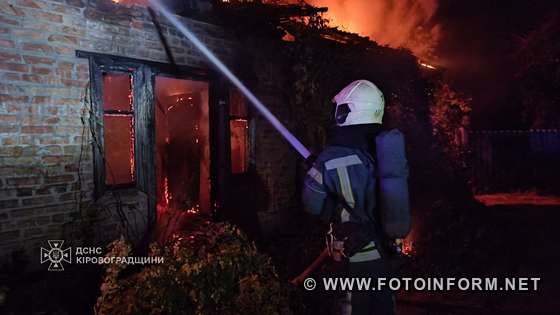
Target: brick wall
[
  {"x": 45, "y": 147},
  {"x": 276, "y": 160},
  {"x": 41, "y": 110}
]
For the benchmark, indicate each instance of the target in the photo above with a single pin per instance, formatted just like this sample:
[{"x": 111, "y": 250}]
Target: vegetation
[
  {"x": 538, "y": 79},
  {"x": 449, "y": 113},
  {"x": 212, "y": 269}
]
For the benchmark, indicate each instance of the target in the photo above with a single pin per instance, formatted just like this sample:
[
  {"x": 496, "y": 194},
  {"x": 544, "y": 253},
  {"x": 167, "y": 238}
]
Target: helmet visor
[{"x": 341, "y": 113}]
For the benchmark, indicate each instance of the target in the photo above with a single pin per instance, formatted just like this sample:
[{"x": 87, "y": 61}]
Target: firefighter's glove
[{"x": 354, "y": 237}]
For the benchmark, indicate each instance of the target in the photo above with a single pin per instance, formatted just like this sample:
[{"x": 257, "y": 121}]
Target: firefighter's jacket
[{"x": 349, "y": 174}]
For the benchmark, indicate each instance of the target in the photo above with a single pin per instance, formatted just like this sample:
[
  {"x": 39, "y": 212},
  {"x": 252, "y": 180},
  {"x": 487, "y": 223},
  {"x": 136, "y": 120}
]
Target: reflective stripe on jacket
[{"x": 348, "y": 173}]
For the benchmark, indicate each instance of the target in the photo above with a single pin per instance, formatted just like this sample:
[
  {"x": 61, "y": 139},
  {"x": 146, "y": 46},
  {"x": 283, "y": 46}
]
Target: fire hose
[
  {"x": 314, "y": 265},
  {"x": 258, "y": 105}
]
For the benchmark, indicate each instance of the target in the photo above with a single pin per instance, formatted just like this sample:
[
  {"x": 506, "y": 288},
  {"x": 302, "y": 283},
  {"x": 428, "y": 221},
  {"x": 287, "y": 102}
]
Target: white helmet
[{"x": 361, "y": 102}]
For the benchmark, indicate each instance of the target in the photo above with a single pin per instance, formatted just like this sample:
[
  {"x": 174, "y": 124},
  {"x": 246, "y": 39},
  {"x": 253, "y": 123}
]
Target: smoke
[{"x": 394, "y": 23}]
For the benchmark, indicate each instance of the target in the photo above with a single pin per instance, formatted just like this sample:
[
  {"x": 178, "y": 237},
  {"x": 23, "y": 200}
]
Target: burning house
[
  {"x": 100, "y": 125},
  {"x": 114, "y": 122}
]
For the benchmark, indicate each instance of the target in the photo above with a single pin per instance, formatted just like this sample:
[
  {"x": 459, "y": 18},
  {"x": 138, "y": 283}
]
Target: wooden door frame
[{"x": 144, "y": 73}]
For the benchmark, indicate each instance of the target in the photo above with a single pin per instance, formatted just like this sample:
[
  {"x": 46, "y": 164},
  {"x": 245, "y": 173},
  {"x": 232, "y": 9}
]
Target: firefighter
[{"x": 343, "y": 176}]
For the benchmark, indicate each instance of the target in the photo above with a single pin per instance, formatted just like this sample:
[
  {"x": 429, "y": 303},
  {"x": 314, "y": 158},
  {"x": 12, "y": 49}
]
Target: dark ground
[
  {"x": 519, "y": 241},
  {"x": 530, "y": 249}
]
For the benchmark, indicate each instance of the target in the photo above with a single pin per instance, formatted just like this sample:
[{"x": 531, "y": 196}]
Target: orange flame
[
  {"x": 131, "y": 153},
  {"x": 427, "y": 65},
  {"x": 132, "y": 160},
  {"x": 407, "y": 248},
  {"x": 398, "y": 24},
  {"x": 166, "y": 193},
  {"x": 193, "y": 210}
]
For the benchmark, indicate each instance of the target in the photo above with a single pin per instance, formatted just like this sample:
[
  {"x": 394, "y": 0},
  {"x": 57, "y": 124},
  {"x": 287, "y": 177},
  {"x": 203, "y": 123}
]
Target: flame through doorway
[{"x": 182, "y": 146}]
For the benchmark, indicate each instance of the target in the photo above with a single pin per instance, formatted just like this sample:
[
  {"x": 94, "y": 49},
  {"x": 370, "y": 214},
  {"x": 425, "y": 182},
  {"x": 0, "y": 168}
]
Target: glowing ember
[
  {"x": 193, "y": 210},
  {"x": 130, "y": 100},
  {"x": 166, "y": 193},
  {"x": 288, "y": 37},
  {"x": 407, "y": 247},
  {"x": 426, "y": 65},
  {"x": 133, "y": 174}
]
